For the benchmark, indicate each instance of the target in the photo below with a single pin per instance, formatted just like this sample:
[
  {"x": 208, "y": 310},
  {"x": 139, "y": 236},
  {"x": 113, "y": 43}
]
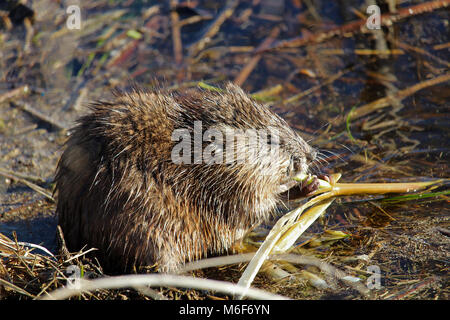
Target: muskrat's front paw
[
  {"x": 294, "y": 190},
  {"x": 310, "y": 188},
  {"x": 315, "y": 184}
]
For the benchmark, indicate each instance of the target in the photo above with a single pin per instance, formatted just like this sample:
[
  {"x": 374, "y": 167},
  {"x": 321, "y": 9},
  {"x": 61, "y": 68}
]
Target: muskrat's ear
[{"x": 237, "y": 94}]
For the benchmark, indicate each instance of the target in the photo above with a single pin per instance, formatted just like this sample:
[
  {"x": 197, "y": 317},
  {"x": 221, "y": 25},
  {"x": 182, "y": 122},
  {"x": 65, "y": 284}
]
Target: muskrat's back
[{"x": 119, "y": 190}]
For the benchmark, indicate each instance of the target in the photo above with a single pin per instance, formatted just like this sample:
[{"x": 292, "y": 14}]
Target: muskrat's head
[{"x": 244, "y": 155}]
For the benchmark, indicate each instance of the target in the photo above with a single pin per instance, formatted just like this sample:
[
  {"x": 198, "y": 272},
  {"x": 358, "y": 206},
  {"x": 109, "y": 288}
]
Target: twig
[
  {"x": 29, "y": 35},
  {"x": 44, "y": 289},
  {"x": 176, "y": 34},
  {"x": 80, "y": 254},
  {"x": 414, "y": 289},
  {"x": 191, "y": 20},
  {"x": 38, "y": 114},
  {"x": 14, "y": 93},
  {"x": 359, "y": 26},
  {"x": 245, "y": 72},
  {"x": 406, "y": 46},
  {"x": 20, "y": 257},
  {"x": 400, "y": 95},
  {"x": 34, "y": 179},
  {"x": 16, "y": 288},
  {"x": 124, "y": 54},
  {"x": 226, "y": 12},
  {"x": 441, "y": 46},
  {"x": 302, "y": 94},
  {"x": 62, "y": 243},
  {"x": 328, "y": 81},
  {"x": 362, "y": 52},
  {"x": 29, "y": 184}
]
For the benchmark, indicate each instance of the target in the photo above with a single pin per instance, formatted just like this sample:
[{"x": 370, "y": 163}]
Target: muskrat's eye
[
  {"x": 273, "y": 139},
  {"x": 311, "y": 156},
  {"x": 290, "y": 167}
]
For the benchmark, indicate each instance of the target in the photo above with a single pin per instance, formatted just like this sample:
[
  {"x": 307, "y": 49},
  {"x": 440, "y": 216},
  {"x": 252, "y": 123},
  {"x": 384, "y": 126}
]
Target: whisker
[
  {"x": 317, "y": 130},
  {"x": 315, "y": 166},
  {"x": 321, "y": 159},
  {"x": 347, "y": 148},
  {"x": 337, "y": 155}
]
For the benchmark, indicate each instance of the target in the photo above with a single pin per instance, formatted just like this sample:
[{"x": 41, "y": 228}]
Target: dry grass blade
[
  {"x": 290, "y": 227},
  {"x": 15, "y": 288},
  {"x": 283, "y": 225},
  {"x": 347, "y": 189},
  {"x": 36, "y": 246},
  {"x": 268, "y": 94},
  {"x": 325, "y": 267},
  {"x": 418, "y": 50},
  {"x": 216, "y": 262},
  {"x": 289, "y": 237},
  {"x": 80, "y": 255},
  {"x": 159, "y": 280}
]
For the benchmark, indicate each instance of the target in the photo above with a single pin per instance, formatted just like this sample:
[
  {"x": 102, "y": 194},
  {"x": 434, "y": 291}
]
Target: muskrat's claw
[
  {"x": 300, "y": 190},
  {"x": 325, "y": 177},
  {"x": 309, "y": 189}
]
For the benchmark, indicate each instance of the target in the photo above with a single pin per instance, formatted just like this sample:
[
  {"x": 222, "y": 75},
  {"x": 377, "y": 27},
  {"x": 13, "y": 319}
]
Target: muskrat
[{"x": 119, "y": 190}]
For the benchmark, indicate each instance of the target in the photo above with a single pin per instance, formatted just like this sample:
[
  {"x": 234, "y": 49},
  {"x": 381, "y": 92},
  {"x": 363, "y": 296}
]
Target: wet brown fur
[{"x": 118, "y": 190}]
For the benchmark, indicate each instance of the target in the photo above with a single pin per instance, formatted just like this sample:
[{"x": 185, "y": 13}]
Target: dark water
[{"x": 40, "y": 230}]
